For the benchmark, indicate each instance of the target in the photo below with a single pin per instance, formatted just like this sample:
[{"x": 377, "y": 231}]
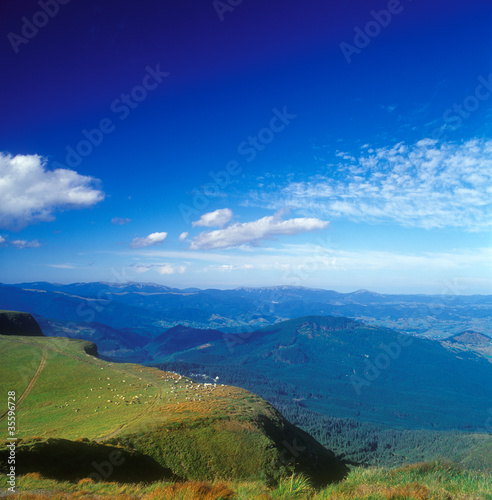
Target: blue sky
[{"x": 338, "y": 145}]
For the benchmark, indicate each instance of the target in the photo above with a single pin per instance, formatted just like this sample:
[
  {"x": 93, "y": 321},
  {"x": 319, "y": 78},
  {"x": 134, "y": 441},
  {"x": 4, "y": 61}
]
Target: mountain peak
[{"x": 364, "y": 291}]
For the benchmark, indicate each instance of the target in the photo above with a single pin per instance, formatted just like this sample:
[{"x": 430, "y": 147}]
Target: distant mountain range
[{"x": 147, "y": 309}]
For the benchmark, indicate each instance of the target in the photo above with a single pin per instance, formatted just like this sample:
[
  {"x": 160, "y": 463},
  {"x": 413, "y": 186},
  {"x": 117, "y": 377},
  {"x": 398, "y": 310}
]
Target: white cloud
[
  {"x": 139, "y": 268},
  {"x": 183, "y": 236},
  {"x": 326, "y": 265},
  {"x": 426, "y": 185},
  {"x": 19, "y": 243},
  {"x": 30, "y": 193},
  {"x": 151, "y": 239},
  {"x": 325, "y": 255},
  {"x": 229, "y": 267},
  {"x": 25, "y": 244},
  {"x": 214, "y": 219},
  {"x": 120, "y": 220},
  {"x": 238, "y": 234},
  {"x": 62, "y": 266},
  {"x": 376, "y": 260},
  {"x": 160, "y": 268},
  {"x": 169, "y": 269}
]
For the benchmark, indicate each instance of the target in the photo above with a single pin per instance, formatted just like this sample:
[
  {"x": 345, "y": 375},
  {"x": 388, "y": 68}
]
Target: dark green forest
[{"x": 357, "y": 442}]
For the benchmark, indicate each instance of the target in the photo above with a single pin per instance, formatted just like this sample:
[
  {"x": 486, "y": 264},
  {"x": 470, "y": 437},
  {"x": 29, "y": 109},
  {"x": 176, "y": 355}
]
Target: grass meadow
[{"x": 426, "y": 481}]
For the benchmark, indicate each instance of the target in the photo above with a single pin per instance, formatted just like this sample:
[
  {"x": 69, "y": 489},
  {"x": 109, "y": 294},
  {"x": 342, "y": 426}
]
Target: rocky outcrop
[{"x": 19, "y": 323}]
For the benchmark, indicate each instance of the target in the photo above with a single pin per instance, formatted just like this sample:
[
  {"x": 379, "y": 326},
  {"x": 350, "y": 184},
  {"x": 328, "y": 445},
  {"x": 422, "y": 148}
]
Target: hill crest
[
  {"x": 19, "y": 323},
  {"x": 199, "y": 431},
  {"x": 470, "y": 337}
]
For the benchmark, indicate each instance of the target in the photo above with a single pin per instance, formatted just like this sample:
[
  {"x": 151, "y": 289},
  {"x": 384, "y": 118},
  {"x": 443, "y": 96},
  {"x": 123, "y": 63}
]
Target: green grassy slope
[{"x": 197, "y": 431}]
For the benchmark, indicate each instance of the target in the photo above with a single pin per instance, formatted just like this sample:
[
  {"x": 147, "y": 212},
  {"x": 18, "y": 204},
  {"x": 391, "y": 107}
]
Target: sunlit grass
[
  {"x": 199, "y": 431},
  {"x": 431, "y": 480},
  {"x": 110, "y": 393},
  {"x": 426, "y": 481}
]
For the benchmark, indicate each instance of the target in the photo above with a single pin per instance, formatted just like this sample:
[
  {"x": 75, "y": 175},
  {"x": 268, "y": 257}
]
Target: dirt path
[
  {"x": 34, "y": 378},
  {"x": 29, "y": 387}
]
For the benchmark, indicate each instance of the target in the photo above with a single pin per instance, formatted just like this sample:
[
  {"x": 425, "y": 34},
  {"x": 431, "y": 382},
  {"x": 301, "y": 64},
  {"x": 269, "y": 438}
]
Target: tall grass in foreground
[{"x": 426, "y": 481}]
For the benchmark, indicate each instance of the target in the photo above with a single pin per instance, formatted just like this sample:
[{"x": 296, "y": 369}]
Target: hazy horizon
[{"x": 444, "y": 292}]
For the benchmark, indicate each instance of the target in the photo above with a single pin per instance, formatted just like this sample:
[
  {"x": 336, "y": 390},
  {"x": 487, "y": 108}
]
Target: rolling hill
[
  {"x": 425, "y": 401},
  {"x": 344, "y": 368},
  {"x": 470, "y": 341},
  {"x": 470, "y": 337},
  {"x": 77, "y": 410}
]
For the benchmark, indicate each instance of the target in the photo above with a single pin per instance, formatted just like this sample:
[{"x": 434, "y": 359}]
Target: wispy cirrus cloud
[
  {"x": 19, "y": 243},
  {"x": 238, "y": 234},
  {"x": 150, "y": 240},
  {"x": 120, "y": 221},
  {"x": 25, "y": 243},
  {"x": 322, "y": 259},
  {"x": 162, "y": 269},
  {"x": 427, "y": 184},
  {"x": 31, "y": 193},
  {"x": 227, "y": 268}
]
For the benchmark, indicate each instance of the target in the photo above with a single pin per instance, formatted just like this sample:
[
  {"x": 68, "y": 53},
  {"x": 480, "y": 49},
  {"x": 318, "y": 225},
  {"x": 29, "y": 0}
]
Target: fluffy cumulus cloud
[
  {"x": 427, "y": 184},
  {"x": 150, "y": 240},
  {"x": 31, "y": 193},
  {"x": 238, "y": 234},
  {"x": 219, "y": 218},
  {"x": 183, "y": 236},
  {"x": 120, "y": 221}
]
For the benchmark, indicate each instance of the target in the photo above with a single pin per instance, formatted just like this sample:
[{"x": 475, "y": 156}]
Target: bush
[{"x": 295, "y": 486}]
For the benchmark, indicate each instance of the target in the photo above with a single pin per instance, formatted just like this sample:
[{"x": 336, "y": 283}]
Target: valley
[{"x": 318, "y": 389}]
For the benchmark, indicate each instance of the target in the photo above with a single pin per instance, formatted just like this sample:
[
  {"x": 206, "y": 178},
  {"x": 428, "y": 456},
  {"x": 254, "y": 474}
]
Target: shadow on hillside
[
  {"x": 297, "y": 448},
  {"x": 62, "y": 459}
]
